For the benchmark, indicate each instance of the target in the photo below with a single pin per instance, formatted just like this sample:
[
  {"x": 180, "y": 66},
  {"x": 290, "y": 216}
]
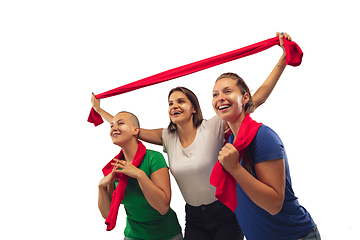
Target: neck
[
  {"x": 235, "y": 125},
  {"x": 129, "y": 150},
  {"x": 187, "y": 133}
]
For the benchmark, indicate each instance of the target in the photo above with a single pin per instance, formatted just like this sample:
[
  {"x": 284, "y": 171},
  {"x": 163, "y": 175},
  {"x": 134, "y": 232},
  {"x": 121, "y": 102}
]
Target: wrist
[
  {"x": 96, "y": 109},
  {"x": 103, "y": 183},
  {"x": 102, "y": 187},
  {"x": 235, "y": 170},
  {"x": 284, "y": 52},
  {"x": 140, "y": 175}
]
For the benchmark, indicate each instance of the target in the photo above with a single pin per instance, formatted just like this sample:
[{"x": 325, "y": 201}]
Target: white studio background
[{"x": 53, "y": 54}]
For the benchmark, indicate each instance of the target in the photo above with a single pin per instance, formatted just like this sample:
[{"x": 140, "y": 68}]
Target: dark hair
[
  {"x": 197, "y": 116},
  {"x": 249, "y": 106}
]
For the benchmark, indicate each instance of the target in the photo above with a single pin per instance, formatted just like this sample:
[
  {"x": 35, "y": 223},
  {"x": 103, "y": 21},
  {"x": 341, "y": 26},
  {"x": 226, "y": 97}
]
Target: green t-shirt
[{"x": 142, "y": 220}]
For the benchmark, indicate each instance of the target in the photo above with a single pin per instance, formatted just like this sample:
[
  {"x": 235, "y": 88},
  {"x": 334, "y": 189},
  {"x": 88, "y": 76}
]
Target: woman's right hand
[
  {"x": 95, "y": 102},
  {"x": 107, "y": 180}
]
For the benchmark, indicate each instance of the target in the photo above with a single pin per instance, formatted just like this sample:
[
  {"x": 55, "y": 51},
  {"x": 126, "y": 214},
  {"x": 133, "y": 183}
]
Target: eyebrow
[
  {"x": 177, "y": 99},
  {"x": 116, "y": 121}
]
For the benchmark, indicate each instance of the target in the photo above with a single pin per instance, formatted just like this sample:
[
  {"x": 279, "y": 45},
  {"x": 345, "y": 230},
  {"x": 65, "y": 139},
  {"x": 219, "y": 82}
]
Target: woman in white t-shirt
[{"x": 193, "y": 145}]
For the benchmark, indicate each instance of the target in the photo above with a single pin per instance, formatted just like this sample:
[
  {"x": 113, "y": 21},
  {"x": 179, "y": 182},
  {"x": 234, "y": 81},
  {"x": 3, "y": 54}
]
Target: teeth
[
  {"x": 175, "y": 113},
  {"x": 223, "y": 107}
]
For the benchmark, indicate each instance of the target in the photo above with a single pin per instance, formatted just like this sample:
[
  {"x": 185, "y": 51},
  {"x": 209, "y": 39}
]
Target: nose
[
  {"x": 113, "y": 128},
  {"x": 174, "y": 105},
  {"x": 221, "y": 96}
]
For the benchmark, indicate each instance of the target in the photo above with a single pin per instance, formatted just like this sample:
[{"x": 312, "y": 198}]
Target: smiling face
[
  {"x": 123, "y": 129},
  {"x": 228, "y": 101},
  {"x": 180, "y": 108}
]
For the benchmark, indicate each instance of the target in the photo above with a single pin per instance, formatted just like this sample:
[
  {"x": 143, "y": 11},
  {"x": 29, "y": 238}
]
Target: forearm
[
  {"x": 261, "y": 194},
  {"x": 156, "y": 197},
  {"x": 267, "y": 87},
  {"x": 104, "y": 202},
  {"x": 153, "y": 136},
  {"x": 105, "y": 115}
]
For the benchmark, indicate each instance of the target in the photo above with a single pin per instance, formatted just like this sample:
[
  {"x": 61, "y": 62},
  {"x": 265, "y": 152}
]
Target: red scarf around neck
[
  {"x": 119, "y": 192},
  {"x": 225, "y": 184},
  {"x": 293, "y": 57}
]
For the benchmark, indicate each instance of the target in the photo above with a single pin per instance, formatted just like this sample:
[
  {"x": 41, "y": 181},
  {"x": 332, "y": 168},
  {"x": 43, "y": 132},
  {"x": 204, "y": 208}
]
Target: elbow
[
  {"x": 164, "y": 210},
  {"x": 103, "y": 212},
  {"x": 104, "y": 216},
  {"x": 276, "y": 208}
]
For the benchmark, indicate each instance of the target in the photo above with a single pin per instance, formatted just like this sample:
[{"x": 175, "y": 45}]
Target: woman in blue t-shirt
[{"x": 267, "y": 207}]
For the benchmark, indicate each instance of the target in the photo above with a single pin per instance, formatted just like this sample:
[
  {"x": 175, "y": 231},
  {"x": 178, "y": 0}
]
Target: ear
[
  {"x": 136, "y": 131},
  {"x": 245, "y": 99}
]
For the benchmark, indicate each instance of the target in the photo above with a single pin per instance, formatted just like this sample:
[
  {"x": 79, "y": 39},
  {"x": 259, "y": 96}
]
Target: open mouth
[
  {"x": 114, "y": 135},
  {"x": 175, "y": 113},
  {"x": 223, "y": 107}
]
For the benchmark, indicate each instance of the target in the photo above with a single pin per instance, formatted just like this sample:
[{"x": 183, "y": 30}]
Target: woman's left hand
[
  {"x": 281, "y": 38},
  {"x": 229, "y": 158},
  {"x": 126, "y": 168}
]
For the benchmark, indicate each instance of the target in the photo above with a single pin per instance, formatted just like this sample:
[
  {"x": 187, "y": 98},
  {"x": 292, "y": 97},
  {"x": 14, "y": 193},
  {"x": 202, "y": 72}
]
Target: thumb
[{"x": 281, "y": 39}]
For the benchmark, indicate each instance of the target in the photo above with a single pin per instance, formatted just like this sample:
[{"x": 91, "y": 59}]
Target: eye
[
  {"x": 170, "y": 104},
  {"x": 228, "y": 91},
  {"x": 215, "y": 95}
]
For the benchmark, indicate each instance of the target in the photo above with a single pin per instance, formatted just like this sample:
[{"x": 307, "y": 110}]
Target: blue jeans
[
  {"x": 214, "y": 221},
  {"x": 312, "y": 235}
]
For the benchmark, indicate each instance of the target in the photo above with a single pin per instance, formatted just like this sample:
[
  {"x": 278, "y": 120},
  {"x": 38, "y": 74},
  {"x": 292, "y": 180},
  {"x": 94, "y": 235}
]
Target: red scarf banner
[
  {"x": 119, "y": 192},
  {"x": 225, "y": 184},
  {"x": 293, "y": 57}
]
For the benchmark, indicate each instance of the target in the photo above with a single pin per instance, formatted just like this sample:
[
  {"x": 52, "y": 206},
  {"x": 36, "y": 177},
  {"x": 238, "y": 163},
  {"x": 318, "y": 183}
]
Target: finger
[
  {"x": 118, "y": 170},
  {"x": 229, "y": 146},
  {"x": 287, "y": 36}
]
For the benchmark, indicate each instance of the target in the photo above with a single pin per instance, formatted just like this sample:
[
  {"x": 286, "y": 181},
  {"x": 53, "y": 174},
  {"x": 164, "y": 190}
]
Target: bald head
[{"x": 131, "y": 117}]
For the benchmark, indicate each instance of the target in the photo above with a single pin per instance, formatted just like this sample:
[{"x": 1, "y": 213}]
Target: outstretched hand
[
  {"x": 95, "y": 102},
  {"x": 281, "y": 38}
]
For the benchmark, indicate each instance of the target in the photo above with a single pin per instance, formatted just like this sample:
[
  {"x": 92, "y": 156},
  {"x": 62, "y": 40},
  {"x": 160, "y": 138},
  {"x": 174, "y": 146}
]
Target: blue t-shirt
[{"x": 293, "y": 221}]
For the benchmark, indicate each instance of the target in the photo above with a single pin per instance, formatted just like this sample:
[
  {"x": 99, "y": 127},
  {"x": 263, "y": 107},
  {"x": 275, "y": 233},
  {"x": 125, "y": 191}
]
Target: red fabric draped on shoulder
[
  {"x": 119, "y": 192},
  {"x": 225, "y": 184}
]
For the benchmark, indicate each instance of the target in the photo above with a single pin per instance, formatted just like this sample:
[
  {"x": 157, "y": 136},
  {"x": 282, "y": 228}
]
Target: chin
[
  {"x": 228, "y": 117},
  {"x": 117, "y": 142}
]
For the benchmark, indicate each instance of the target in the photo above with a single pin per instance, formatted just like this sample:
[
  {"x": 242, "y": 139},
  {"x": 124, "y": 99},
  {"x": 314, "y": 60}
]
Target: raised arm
[
  {"x": 153, "y": 136},
  {"x": 266, "y": 88},
  {"x": 96, "y": 105}
]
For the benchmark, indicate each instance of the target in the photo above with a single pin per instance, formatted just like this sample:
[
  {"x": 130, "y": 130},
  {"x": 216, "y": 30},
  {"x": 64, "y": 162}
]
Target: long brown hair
[{"x": 197, "y": 116}]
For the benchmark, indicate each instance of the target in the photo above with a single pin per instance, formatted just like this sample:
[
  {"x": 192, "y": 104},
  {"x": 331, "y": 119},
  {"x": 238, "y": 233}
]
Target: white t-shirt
[{"x": 192, "y": 166}]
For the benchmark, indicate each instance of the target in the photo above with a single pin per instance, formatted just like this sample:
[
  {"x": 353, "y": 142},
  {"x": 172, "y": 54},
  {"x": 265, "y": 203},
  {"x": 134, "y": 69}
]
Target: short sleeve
[
  {"x": 157, "y": 161},
  {"x": 266, "y": 146},
  {"x": 165, "y": 139},
  {"x": 215, "y": 125}
]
